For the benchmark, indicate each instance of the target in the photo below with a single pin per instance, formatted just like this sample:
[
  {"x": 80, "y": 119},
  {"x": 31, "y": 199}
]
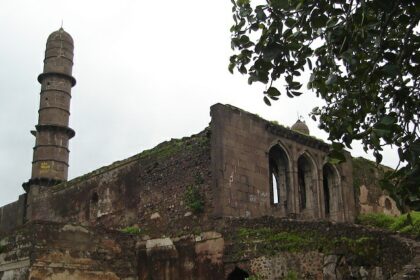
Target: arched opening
[
  {"x": 388, "y": 204},
  {"x": 332, "y": 194},
  {"x": 304, "y": 180},
  {"x": 94, "y": 198},
  {"x": 93, "y": 206},
  {"x": 279, "y": 176},
  {"x": 238, "y": 274}
]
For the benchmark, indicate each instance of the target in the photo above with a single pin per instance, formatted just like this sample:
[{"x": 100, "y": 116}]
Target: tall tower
[{"x": 51, "y": 153}]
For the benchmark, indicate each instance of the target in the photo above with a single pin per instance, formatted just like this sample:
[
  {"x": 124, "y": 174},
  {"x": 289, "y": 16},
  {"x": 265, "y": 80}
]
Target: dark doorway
[{"x": 238, "y": 274}]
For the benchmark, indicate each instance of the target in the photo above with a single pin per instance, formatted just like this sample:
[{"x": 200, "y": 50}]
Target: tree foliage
[{"x": 364, "y": 58}]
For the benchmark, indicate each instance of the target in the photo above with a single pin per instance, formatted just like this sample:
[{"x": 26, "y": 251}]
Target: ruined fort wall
[
  {"x": 371, "y": 198},
  {"x": 43, "y": 250},
  {"x": 265, "y": 248},
  {"x": 12, "y": 214},
  {"x": 240, "y": 163},
  {"x": 146, "y": 190}
]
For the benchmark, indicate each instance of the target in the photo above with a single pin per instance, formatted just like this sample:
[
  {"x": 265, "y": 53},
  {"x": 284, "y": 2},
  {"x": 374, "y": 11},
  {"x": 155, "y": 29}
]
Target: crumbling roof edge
[
  {"x": 121, "y": 163},
  {"x": 280, "y": 129}
]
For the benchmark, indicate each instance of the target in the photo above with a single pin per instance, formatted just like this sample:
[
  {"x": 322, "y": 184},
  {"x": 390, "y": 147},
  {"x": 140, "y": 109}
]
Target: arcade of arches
[{"x": 297, "y": 188}]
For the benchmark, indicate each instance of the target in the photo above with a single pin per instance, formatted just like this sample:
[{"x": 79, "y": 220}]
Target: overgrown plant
[
  {"x": 291, "y": 275},
  {"x": 407, "y": 223},
  {"x": 363, "y": 57},
  {"x": 132, "y": 230},
  {"x": 193, "y": 199}
]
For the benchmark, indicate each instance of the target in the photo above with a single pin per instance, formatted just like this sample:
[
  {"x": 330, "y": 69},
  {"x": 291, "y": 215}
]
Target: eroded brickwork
[
  {"x": 63, "y": 251},
  {"x": 46, "y": 250},
  {"x": 148, "y": 189},
  {"x": 371, "y": 198}
]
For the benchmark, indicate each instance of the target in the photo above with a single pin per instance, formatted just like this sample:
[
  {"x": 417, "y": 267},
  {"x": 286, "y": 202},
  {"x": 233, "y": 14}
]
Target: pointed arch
[
  {"x": 332, "y": 193},
  {"x": 307, "y": 184},
  {"x": 279, "y": 176}
]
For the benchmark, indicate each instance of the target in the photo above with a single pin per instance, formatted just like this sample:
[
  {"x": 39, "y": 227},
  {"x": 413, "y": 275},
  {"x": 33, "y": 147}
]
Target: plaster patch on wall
[
  {"x": 74, "y": 228},
  {"x": 210, "y": 249},
  {"x": 105, "y": 204},
  {"x": 164, "y": 243}
]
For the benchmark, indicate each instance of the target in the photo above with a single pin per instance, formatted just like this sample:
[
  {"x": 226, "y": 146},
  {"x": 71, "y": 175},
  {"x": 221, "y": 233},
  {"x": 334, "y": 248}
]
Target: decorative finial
[
  {"x": 62, "y": 24},
  {"x": 300, "y": 117}
]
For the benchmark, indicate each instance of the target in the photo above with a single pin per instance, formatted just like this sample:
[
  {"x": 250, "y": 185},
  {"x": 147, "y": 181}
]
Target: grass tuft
[{"x": 408, "y": 223}]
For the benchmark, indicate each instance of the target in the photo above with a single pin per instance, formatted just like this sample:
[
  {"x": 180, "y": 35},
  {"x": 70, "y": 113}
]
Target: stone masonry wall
[
  {"x": 240, "y": 167},
  {"x": 12, "y": 214},
  {"x": 370, "y": 197},
  {"x": 147, "y": 190},
  {"x": 269, "y": 248},
  {"x": 63, "y": 251},
  {"x": 265, "y": 248}
]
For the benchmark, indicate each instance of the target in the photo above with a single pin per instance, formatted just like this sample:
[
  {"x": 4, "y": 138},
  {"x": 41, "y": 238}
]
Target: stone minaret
[{"x": 51, "y": 153}]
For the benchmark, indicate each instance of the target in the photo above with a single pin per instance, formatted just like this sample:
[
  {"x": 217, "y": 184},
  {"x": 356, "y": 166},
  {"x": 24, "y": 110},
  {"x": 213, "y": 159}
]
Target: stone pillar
[{"x": 51, "y": 153}]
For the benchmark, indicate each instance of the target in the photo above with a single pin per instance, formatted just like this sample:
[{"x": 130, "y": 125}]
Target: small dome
[
  {"x": 60, "y": 35},
  {"x": 301, "y": 127}
]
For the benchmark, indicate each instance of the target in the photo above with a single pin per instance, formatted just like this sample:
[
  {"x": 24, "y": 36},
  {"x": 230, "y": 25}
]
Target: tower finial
[{"x": 61, "y": 23}]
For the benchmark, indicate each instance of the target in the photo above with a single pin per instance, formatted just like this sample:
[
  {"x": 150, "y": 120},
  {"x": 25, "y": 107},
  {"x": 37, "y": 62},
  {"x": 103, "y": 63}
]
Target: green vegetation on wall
[
  {"x": 193, "y": 199},
  {"x": 408, "y": 223},
  {"x": 268, "y": 241},
  {"x": 132, "y": 230},
  {"x": 160, "y": 152}
]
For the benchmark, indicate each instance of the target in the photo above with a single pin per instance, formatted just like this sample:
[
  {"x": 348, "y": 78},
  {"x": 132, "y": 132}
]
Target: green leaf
[
  {"x": 288, "y": 93},
  {"x": 309, "y": 63},
  {"x": 272, "y": 51},
  {"x": 337, "y": 146},
  {"x": 280, "y": 4},
  {"x": 332, "y": 79},
  {"x": 381, "y": 132},
  {"x": 295, "y": 85},
  {"x": 378, "y": 157},
  {"x": 388, "y": 120},
  {"x": 336, "y": 157},
  {"x": 272, "y": 91},
  {"x": 242, "y": 2},
  {"x": 290, "y": 22},
  {"x": 231, "y": 67},
  {"x": 244, "y": 39},
  {"x": 296, "y": 93},
  {"x": 318, "y": 20},
  {"x": 390, "y": 69},
  {"x": 267, "y": 101},
  {"x": 260, "y": 13}
]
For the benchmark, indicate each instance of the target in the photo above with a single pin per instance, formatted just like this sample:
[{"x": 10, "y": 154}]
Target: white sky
[{"x": 146, "y": 71}]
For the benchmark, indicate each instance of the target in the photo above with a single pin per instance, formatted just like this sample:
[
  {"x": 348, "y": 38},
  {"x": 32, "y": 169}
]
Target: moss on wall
[
  {"x": 163, "y": 150},
  {"x": 268, "y": 241},
  {"x": 269, "y": 237}
]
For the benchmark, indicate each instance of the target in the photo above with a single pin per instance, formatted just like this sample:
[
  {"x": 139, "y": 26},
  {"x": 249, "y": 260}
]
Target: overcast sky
[{"x": 146, "y": 71}]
